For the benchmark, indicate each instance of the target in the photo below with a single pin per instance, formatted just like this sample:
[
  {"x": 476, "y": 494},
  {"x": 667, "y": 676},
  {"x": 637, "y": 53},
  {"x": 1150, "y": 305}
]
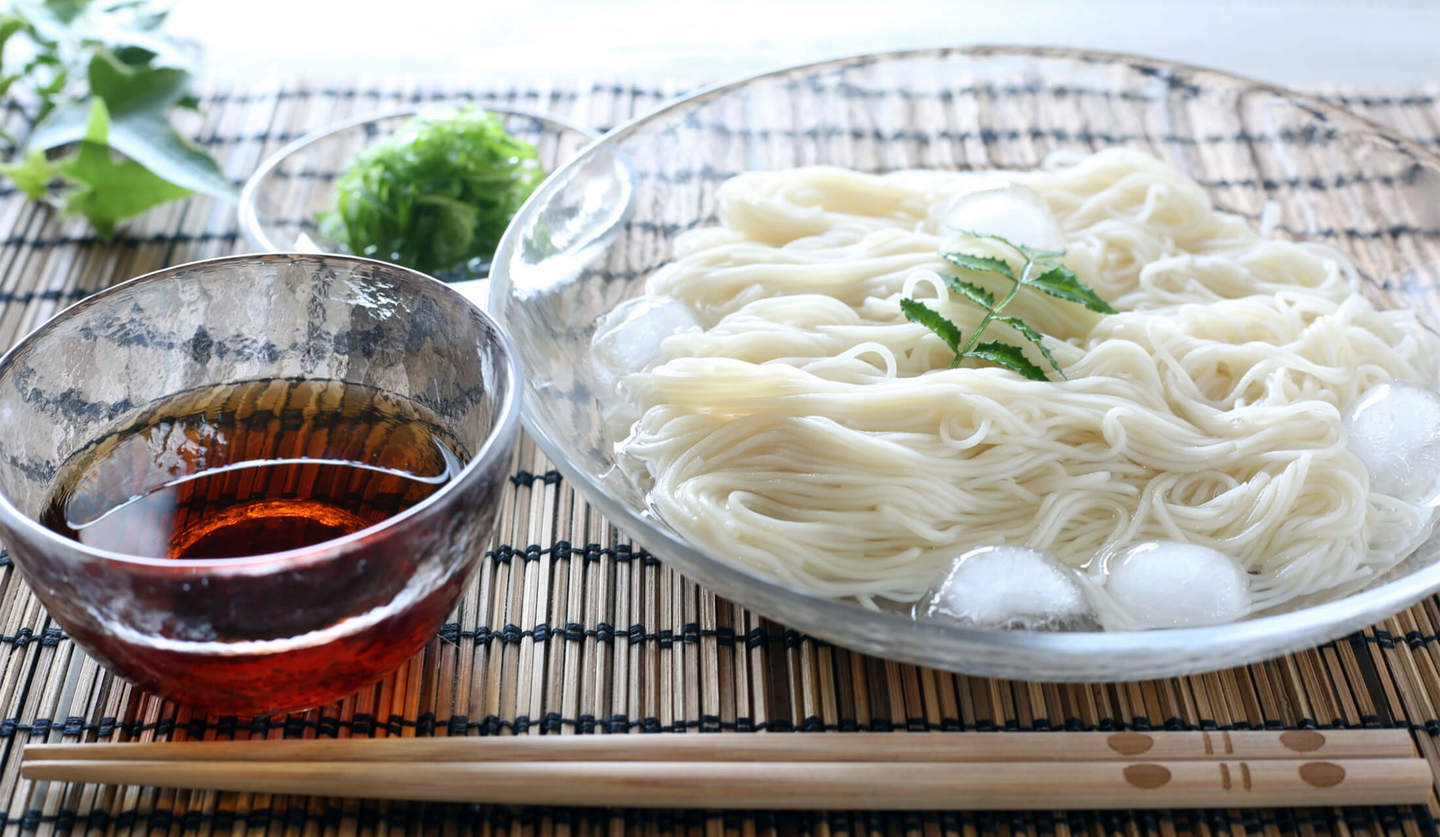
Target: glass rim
[
  {"x": 878, "y": 630},
  {"x": 247, "y": 214},
  {"x": 975, "y": 51},
  {"x": 506, "y": 424}
]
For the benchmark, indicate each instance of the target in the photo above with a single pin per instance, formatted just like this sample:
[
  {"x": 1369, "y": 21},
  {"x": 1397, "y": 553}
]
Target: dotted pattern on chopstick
[{"x": 569, "y": 628}]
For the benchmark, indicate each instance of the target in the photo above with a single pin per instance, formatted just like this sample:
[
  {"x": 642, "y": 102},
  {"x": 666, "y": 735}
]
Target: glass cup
[{"x": 286, "y": 630}]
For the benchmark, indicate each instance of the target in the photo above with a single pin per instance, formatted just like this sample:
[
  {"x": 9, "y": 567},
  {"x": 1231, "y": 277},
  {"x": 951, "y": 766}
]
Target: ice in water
[
  {"x": 1016, "y": 213},
  {"x": 1164, "y": 584},
  {"x": 1008, "y": 587},
  {"x": 1395, "y": 430},
  {"x": 629, "y": 338}
]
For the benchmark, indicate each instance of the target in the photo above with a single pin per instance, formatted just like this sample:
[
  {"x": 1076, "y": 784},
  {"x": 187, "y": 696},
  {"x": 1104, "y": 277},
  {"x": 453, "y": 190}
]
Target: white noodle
[{"x": 809, "y": 430}]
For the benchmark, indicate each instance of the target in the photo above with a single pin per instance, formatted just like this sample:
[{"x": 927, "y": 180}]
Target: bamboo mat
[{"x": 569, "y": 628}]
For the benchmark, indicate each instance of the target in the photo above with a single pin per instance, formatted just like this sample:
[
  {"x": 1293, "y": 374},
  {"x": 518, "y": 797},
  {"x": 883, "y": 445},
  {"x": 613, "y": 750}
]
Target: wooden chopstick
[
  {"x": 910, "y": 747},
  {"x": 849, "y": 785},
  {"x": 833, "y": 770}
]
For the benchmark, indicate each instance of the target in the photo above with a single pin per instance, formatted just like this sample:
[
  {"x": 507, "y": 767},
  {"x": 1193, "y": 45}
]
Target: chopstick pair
[{"x": 876, "y": 771}]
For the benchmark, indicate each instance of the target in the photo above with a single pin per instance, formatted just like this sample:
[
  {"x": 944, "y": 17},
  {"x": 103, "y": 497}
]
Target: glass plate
[{"x": 1307, "y": 169}]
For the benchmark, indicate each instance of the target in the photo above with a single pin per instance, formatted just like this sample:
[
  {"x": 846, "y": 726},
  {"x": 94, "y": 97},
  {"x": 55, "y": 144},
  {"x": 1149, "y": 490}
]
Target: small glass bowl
[
  {"x": 280, "y": 201},
  {"x": 286, "y": 630}
]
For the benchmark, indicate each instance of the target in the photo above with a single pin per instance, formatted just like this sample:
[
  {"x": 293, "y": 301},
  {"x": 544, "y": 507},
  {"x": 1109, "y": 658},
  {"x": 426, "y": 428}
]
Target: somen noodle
[{"x": 808, "y": 429}]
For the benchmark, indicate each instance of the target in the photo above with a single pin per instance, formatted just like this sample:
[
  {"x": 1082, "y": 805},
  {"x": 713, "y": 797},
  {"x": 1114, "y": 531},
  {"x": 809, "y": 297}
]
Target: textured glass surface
[
  {"x": 244, "y": 318},
  {"x": 1295, "y": 165}
]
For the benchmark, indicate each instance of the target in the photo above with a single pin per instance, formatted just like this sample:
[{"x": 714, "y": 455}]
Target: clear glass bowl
[
  {"x": 1314, "y": 172},
  {"x": 285, "y": 630},
  {"x": 280, "y": 201}
]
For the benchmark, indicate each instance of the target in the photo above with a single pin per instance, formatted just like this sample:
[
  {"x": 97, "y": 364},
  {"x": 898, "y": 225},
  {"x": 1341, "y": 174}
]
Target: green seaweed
[{"x": 435, "y": 194}]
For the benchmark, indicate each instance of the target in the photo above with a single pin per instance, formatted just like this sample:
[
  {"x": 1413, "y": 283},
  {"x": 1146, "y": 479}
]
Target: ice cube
[
  {"x": 1395, "y": 430},
  {"x": 1016, "y": 213},
  {"x": 1163, "y": 584},
  {"x": 629, "y": 337},
  {"x": 1004, "y": 587}
]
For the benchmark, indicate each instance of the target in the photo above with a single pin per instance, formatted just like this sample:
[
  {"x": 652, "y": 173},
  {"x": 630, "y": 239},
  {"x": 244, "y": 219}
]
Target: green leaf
[
  {"x": 58, "y": 77},
  {"x": 9, "y": 25},
  {"x": 96, "y": 130},
  {"x": 100, "y": 77},
  {"x": 49, "y": 20},
  {"x": 65, "y": 11},
  {"x": 1010, "y": 357},
  {"x": 133, "y": 56},
  {"x": 154, "y": 144},
  {"x": 32, "y": 174},
  {"x": 138, "y": 99},
  {"x": 972, "y": 292},
  {"x": 61, "y": 126},
  {"x": 1062, "y": 283},
  {"x": 1036, "y": 255},
  {"x": 993, "y": 237},
  {"x": 6, "y": 81},
  {"x": 135, "y": 88},
  {"x": 1054, "y": 279},
  {"x": 1034, "y": 337},
  {"x": 984, "y": 264},
  {"x": 75, "y": 28},
  {"x": 109, "y": 191},
  {"x": 1028, "y": 253},
  {"x": 132, "y": 5},
  {"x": 922, "y": 314}
]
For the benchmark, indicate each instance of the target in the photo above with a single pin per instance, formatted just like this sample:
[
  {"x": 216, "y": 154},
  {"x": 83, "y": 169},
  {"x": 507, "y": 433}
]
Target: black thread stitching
[{"x": 528, "y": 480}]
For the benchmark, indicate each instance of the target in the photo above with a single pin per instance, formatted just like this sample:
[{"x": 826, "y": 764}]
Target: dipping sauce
[
  {"x": 253, "y": 468},
  {"x": 249, "y": 469}
]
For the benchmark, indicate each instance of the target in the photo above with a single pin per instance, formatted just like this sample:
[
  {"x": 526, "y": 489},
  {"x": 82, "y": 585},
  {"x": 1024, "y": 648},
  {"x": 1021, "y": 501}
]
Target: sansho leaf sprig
[{"x": 1041, "y": 271}]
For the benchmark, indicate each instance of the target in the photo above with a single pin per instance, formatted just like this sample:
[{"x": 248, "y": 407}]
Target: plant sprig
[
  {"x": 1041, "y": 271},
  {"x": 95, "y": 82}
]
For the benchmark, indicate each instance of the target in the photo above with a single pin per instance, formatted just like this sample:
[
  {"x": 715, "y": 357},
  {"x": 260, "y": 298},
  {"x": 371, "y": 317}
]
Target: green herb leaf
[
  {"x": 32, "y": 175},
  {"x": 1035, "y": 255},
  {"x": 109, "y": 191},
  {"x": 922, "y": 314},
  {"x": 972, "y": 292},
  {"x": 1034, "y": 337},
  {"x": 1053, "y": 279},
  {"x": 1061, "y": 282},
  {"x": 1010, "y": 357},
  {"x": 983, "y": 264}
]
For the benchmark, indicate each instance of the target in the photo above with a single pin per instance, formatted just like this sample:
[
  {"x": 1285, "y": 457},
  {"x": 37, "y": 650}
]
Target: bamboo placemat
[{"x": 569, "y": 628}]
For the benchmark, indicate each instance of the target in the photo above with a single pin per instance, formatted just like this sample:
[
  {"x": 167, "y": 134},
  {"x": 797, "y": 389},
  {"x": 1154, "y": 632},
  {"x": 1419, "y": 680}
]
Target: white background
[{"x": 1379, "y": 43}]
